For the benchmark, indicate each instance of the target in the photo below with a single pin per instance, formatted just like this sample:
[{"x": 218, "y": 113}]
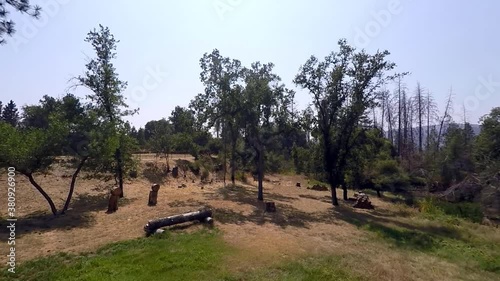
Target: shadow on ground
[{"x": 78, "y": 216}]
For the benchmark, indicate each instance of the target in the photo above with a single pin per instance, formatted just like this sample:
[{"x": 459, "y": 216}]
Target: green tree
[
  {"x": 7, "y": 26},
  {"x": 219, "y": 106},
  {"x": 31, "y": 151},
  {"x": 182, "y": 120},
  {"x": 343, "y": 87},
  {"x": 265, "y": 108},
  {"x": 106, "y": 98},
  {"x": 10, "y": 114},
  {"x": 487, "y": 145}
]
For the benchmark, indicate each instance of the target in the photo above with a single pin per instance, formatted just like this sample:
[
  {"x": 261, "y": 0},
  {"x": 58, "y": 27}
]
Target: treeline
[{"x": 354, "y": 134}]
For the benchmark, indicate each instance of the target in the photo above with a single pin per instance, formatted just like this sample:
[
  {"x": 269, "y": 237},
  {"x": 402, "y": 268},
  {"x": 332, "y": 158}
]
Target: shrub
[
  {"x": 204, "y": 174},
  {"x": 438, "y": 208},
  {"x": 241, "y": 176}
]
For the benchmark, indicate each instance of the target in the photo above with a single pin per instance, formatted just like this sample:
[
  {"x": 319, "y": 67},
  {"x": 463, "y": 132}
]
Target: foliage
[
  {"x": 439, "y": 209},
  {"x": 343, "y": 87},
  {"x": 10, "y": 114},
  {"x": 7, "y": 26}
]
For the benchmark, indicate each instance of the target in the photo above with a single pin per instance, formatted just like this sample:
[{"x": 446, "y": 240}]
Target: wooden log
[
  {"x": 153, "y": 195},
  {"x": 200, "y": 215}
]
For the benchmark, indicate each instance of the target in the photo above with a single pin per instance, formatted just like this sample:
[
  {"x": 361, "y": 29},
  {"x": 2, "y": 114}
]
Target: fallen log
[{"x": 201, "y": 215}]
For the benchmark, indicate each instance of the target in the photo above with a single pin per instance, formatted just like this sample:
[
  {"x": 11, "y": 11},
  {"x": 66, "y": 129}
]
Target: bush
[
  {"x": 438, "y": 208},
  {"x": 194, "y": 167},
  {"x": 387, "y": 175},
  {"x": 205, "y": 174},
  {"x": 241, "y": 176}
]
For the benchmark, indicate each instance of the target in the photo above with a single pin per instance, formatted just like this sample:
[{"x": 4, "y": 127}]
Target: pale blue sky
[{"x": 443, "y": 43}]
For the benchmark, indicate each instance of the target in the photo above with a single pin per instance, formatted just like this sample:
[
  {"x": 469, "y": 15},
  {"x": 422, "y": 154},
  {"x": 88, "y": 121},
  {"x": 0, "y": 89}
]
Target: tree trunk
[
  {"x": 378, "y": 193},
  {"x": 260, "y": 170},
  {"x": 333, "y": 187},
  {"x": 44, "y": 194},
  {"x": 233, "y": 161},
  {"x": 119, "y": 163},
  {"x": 72, "y": 185},
  {"x": 344, "y": 187}
]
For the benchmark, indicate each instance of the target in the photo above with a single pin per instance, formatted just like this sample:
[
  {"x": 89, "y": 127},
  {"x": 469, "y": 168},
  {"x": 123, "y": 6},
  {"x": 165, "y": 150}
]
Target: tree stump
[
  {"x": 175, "y": 172},
  {"x": 270, "y": 207},
  {"x": 113, "y": 200},
  {"x": 153, "y": 195}
]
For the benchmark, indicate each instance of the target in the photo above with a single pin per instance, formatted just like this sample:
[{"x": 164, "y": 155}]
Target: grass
[
  {"x": 460, "y": 244},
  {"x": 195, "y": 256},
  {"x": 441, "y": 210},
  {"x": 310, "y": 269},
  {"x": 181, "y": 256}
]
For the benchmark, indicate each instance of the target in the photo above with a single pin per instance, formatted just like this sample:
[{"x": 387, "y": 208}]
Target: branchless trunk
[
  {"x": 260, "y": 170},
  {"x": 233, "y": 161},
  {"x": 119, "y": 170},
  {"x": 332, "y": 179},
  {"x": 72, "y": 185},
  {"x": 445, "y": 116},
  {"x": 44, "y": 194}
]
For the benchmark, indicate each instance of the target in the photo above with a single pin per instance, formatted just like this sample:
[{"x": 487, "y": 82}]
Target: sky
[{"x": 446, "y": 45}]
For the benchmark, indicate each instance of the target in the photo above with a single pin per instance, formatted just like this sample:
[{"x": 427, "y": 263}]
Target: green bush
[
  {"x": 436, "y": 208},
  {"x": 387, "y": 175},
  {"x": 241, "y": 176}
]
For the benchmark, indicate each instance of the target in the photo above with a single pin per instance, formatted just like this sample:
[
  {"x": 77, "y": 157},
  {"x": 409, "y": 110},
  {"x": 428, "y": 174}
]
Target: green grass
[
  {"x": 197, "y": 256},
  {"x": 441, "y": 210},
  {"x": 310, "y": 269},
  {"x": 452, "y": 243}
]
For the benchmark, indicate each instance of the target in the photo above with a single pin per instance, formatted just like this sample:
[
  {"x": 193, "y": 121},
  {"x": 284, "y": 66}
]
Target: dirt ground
[{"x": 305, "y": 223}]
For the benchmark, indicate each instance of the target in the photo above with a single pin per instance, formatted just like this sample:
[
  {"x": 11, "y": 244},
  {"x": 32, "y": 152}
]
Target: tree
[
  {"x": 7, "y": 26},
  {"x": 31, "y": 151},
  {"x": 487, "y": 147},
  {"x": 10, "y": 114},
  {"x": 265, "y": 104},
  {"x": 182, "y": 120},
  {"x": 219, "y": 106},
  {"x": 106, "y": 98},
  {"x": 343, "y": 87},
  {"x": 419, "y": 97}
]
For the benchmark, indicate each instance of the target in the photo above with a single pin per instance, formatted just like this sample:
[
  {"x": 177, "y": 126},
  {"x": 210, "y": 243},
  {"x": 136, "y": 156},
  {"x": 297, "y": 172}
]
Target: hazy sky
[{"x": 443, "y": 44}]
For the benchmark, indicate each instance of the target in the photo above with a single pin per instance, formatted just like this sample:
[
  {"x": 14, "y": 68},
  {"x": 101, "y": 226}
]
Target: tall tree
[
  {"x": 182, "y": 120},
  {"x": 219, "y": 106},
  {"x": 419, "y": 97},
  {"x": 343, "y": 87},
  {"x": 445, "y": 119},
  {"x": 7, "y": 26},
  {"x": 106, "y": 98},
  {"x": 265, "y": 104},
  {"x": 10, "y": 114}
]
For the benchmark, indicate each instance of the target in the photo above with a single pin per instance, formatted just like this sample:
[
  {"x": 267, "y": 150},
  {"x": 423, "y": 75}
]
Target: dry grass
[{"x": 391, "y": 242}]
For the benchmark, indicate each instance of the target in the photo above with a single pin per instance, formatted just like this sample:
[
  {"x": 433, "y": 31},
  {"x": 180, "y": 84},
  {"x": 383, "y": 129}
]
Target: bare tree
[
  {"x": 445, "y": 119},
  {"x": 419, "y": 99}
]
